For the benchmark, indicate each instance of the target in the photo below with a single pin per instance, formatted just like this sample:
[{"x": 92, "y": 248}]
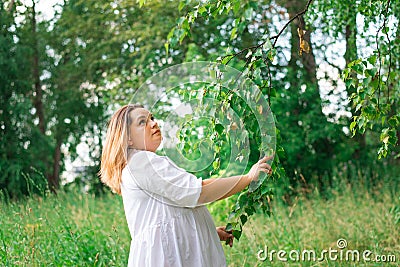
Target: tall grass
[
  {"x": 75, "y": 229},
  {"x": 317, "y": 224},
  {"x": 69, "y": 229}
]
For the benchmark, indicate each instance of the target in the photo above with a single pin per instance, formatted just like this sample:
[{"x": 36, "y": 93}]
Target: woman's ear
[{"x": 130, "y": 142}]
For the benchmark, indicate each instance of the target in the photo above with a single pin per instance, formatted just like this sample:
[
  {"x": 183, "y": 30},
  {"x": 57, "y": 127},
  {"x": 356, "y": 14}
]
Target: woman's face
[{"x": 144, "y": 133}]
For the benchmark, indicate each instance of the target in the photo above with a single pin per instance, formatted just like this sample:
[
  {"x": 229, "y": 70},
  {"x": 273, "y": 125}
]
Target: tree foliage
[
  {"x": 315, "y": 142},
  {"x": 61, "y": 79}
]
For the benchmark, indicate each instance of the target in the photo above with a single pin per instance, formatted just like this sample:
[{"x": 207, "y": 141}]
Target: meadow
[{"x": 78, "y": 229}]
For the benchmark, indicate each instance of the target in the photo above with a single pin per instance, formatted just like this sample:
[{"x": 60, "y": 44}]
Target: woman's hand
[
  {"x": 224, "y": 235},
  {"x": 260, "y": 166}
]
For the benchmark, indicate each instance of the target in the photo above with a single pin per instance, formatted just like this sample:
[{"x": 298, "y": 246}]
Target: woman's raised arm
[{"x": 220, "y": 188}]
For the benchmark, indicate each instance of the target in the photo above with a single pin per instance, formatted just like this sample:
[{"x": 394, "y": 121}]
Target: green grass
[
  {"x": 73, "y": 229},
  {"x": 69, "y": 229},
  {"x": 365, "y": 223}
]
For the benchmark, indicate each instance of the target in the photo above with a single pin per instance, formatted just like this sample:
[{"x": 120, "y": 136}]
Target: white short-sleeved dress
[{"x": 167, "y": 226}]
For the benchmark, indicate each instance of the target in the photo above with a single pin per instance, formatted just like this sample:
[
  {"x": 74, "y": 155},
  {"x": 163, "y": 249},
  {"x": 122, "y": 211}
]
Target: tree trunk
[
  {"x": 307, "y": 59},
  {"x": 38, "y": 97},
  {"x": 10, "y": 6},
  {"x": 311, "y": 103},
  {"x": 350, "y": 55},
  {"x": 54, "y": 179}
]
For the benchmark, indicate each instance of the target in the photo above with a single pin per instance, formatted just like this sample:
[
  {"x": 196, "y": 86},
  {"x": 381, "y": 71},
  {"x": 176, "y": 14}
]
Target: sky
[{"x": 45, "y": 7}]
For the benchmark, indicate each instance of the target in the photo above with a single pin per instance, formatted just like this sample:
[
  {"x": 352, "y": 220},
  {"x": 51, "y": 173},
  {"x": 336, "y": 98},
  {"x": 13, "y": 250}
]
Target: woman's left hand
[{"x": 225, "y": 235}]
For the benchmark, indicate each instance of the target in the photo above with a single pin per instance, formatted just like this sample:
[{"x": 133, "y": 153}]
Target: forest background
[{"x": 328, "y": 69}]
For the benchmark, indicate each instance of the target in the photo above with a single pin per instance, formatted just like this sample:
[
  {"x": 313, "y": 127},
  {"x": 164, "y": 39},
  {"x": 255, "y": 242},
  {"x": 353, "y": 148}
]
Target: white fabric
[{"x": 166, "y": 225}]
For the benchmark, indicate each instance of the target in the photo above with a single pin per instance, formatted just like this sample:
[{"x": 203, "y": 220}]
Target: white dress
[{"x": 167, "y": 226}]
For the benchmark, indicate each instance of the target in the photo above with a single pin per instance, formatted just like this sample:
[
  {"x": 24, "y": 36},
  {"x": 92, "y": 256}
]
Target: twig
[
  {"x": 332, "y": 65},
  {"x": 269, "y": 81},
  {"x": 290, "y": 21},
  {"x": 252, "y": 48},
  {"x": 255, "y": 47}
]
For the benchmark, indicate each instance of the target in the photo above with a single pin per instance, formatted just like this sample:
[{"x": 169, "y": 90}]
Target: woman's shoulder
[
  {"x": 143, "y": 154},
  {"x": 140, "y": 162},
  {"x": 143, "y": 157},
  {"x": 148, "y": 161}
]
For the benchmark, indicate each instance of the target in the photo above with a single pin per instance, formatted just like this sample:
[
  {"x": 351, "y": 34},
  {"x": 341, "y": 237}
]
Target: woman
[{"x": 164, "y": 205}]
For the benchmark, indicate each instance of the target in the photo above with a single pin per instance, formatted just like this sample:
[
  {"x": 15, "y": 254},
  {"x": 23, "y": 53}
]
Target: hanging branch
[
  {"x": 276, "y": 37},
  {"x": 254, "y": 48},
  {"x": 290, "y": 21}
]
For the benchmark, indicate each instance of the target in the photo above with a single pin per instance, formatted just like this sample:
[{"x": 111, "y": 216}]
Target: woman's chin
[{"x": 153, "y": 147}]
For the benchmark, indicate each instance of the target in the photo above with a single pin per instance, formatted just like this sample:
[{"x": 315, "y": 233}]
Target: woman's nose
[{"x": 153, "y": 124}]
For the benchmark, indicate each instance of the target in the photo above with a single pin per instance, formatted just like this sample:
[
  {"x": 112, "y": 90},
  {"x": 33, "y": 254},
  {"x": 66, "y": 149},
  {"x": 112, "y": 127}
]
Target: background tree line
[{"x": 61, "y": 79}]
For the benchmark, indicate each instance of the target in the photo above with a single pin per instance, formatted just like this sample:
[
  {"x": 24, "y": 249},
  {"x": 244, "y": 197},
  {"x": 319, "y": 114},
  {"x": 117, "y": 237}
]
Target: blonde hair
[{"x": 114, "y": 155}]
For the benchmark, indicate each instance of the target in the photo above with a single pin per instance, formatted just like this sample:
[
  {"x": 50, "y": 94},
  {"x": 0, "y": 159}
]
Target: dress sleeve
[{"x": 160, "y": 177}]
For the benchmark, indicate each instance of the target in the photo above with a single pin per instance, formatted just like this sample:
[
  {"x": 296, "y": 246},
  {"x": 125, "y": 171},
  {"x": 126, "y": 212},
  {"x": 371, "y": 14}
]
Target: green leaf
[
  {"x": 216, "y": 164},
  {"x": 180, "y": 20},
  {"x": 250, "y": 210},
  {"x": 374, "y": 84},
  {"x": 258, "y": 53},
  {"x": 202, "y": 9},
  {"x": 352, "y": 125},
  {"x": 229, "y": 227},
  {"x": 185, "y": 24},
  {"x": 166, "y": 45},
  {"x": 372, "y": 59},
  {"x": 182, "y": 4},
  {"x": 243, "y": 199},
  {"x": 385, "y": 29},
  {"x": 253, "y": 186},
  {"x": 267, "y": 45},
  {"x": 236, "y": 7},
  {"x": 385, "y": 136},
  {"x": 183, "y": 35},
  {"x": 369, "y": 110},
  {"x": 243, "y": 219},
  {"x": 371, "y": 72},
  {"x": 272, "y": 92},
  {"x": 361, "y": 122},
  {"x": 233, "y": 33},
  {"x": 393, "y": 122},
  {"x": 248, "y": 13},
  {"x": 271, "y": 54},
  {"x": 186, "y": 147},
  {"x": 266, "y": 190},
  {"x": 237, "y": 234},
  {"x": 219, "y": 128},
  {"x": 226, "y": 59}
]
